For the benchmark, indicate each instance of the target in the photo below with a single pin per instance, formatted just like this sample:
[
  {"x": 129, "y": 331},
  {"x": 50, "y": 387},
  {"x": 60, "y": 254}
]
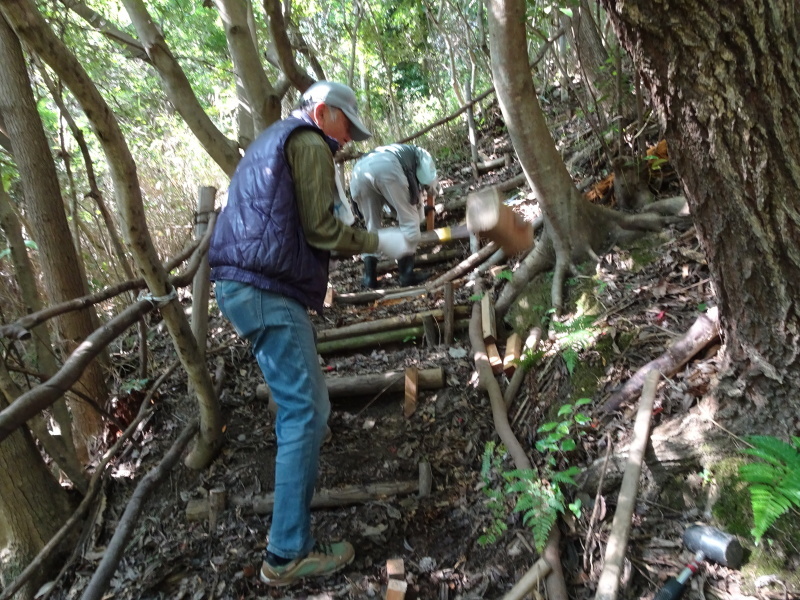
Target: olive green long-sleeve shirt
[{"x": 312, "y": 166}]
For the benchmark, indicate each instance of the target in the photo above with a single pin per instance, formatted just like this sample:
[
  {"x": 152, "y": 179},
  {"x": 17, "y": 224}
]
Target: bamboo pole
[
  {"x": 608, "y": 584},
  {"x": 387, "y": 324}
]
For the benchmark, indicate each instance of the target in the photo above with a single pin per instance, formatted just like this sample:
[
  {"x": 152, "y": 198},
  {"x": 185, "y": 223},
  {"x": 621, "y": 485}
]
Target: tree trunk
[
  {"x": 264, "y": 104},
  {"x": 733, "y": 134},
  {"x": 50, "y": 228},
  {"x": 32, "y": 28},
  {"x": 32, "y": 508}
]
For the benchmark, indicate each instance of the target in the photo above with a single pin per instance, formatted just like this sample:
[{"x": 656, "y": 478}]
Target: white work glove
[{"x": 393, "y": 244}]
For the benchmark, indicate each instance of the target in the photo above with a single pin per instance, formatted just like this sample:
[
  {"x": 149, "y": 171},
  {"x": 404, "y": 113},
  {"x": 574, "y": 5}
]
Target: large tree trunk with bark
[
  {"x": 725, "y": 79},
  {"x": 50, "y": 228},
  {"x": 32, "y": 508}
]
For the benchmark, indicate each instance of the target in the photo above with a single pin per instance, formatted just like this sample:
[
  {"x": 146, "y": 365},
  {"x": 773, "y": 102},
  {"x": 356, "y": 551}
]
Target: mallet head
[{"x": 715, "y": 545}]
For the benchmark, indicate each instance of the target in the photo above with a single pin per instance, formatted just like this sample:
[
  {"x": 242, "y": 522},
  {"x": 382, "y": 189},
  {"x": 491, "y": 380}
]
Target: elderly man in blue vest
[
  {"x": 269, "y": 260},
  {"x": 395, "y": 176}
]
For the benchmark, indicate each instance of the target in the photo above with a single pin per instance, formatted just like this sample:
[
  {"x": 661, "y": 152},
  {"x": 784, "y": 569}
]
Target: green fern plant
[
  {"x": 540, "y": 500},
  {"x": 574, "y": 337},
  {"x": 773, "y": 480}
]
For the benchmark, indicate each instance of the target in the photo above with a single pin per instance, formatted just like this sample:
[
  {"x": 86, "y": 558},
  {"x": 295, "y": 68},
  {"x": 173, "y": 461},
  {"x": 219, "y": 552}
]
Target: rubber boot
[
  {"x": 370, "y": 279},
  {"x": 405, "y": 265}
]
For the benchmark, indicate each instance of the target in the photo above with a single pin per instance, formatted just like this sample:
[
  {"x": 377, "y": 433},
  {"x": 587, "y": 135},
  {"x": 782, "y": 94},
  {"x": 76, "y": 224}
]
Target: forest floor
[{"x": 650, "y": 295}]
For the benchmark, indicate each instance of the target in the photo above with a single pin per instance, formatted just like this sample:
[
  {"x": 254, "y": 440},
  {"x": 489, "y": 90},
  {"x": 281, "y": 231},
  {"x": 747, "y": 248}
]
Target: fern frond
[
  {"x": 767, "y": 507},
  {"x": 773, "y": 450},
  {"x": 761, "y": 473}
]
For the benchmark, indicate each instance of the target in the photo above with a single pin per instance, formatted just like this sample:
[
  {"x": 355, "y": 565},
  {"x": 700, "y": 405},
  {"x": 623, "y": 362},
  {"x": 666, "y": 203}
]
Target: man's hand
[{"x": 393, "y": 244}]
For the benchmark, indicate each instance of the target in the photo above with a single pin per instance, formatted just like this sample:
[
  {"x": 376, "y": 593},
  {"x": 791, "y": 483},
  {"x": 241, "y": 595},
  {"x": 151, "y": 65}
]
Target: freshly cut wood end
[
  {"x": 396, "y": 590},
  {"x": 494, "y": 359},
  {"x": 395, "y": 569}
]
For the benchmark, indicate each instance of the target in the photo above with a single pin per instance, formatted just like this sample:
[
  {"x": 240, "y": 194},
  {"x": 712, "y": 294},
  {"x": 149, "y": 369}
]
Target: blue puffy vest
[{"x": 258, "y": 238}]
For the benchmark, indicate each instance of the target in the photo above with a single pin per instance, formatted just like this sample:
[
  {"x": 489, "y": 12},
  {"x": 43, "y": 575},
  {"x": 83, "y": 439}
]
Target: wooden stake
[
  {"x": 494, "y": 359},
  {"x": 216, "y": 504},
  {"x": 396, "y": 589},
  {"x": 449, "y": 316},
  {"x": 487, "y": 320},
  {"x": 431, "y": 331},
  {"x": 513, "y": 353},
  {"x": 395, "y": 569},
  {"x": 412, "y": 382}
]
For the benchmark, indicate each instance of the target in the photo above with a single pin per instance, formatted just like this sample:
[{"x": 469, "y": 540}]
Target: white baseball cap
[{"x": 342, "y": 97}]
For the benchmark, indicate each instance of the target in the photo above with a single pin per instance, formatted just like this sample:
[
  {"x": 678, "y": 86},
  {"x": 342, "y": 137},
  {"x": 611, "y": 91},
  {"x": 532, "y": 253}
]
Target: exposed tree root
[
  {"x": 704, "y": 330},
  {"x": 556, "y": 587}
]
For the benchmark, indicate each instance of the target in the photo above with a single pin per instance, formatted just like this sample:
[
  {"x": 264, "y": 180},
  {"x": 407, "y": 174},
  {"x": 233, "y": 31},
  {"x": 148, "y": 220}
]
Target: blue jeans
[{"x": 283, "y": 342}]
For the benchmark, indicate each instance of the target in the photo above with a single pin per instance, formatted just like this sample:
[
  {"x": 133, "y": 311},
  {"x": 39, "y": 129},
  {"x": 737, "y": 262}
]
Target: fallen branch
[
  {"x": 463, "y": 267},
  {"x": 37, "y": 399},
  {"x": 363, "y": 385},
  {"x": 608, "y": 584},
  {"x": 520, "y": 590},
  {"x": 704, "y": 331},
  {"x": 130, "y": 518},
  {"x": 376, "y": 339}
]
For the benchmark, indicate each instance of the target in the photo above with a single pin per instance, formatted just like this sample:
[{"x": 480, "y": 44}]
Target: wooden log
[
  {"x": 411, "y": 386},
  {"x": 387, "y": 324},
  {"x": 391, "y": 381},
  {"x": 489, "y": 217},
  {"x": 487, "y": 320},
  {"x": 608, "y": 583},
  {"x": 378, "y": 295},
  {"x": 430, "y": 212},
  {"x": 376, "y": 339},
  {"x": 420, "y": 260},
  {"x": 494, "y": 359},
  {"x": 197, "y": 508},
  {"x": 512, "y": 354}
]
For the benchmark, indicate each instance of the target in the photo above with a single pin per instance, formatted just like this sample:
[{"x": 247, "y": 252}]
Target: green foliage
[
  {"x": 132, "y": 385},
  {"x": 506, "y": 274},
  {"x": 540, "y": 500},
  {"x": 574, "y": 337},
  {"x": 773, "y": 480},
  {"x": 561, "y": 435}
]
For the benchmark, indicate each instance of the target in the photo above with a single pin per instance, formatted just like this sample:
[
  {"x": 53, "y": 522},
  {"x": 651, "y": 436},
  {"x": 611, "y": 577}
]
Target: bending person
[{"x": 395, "y": 176}]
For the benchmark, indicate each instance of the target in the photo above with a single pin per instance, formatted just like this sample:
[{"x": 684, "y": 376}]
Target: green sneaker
[{"x": 323, "y": 559}]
